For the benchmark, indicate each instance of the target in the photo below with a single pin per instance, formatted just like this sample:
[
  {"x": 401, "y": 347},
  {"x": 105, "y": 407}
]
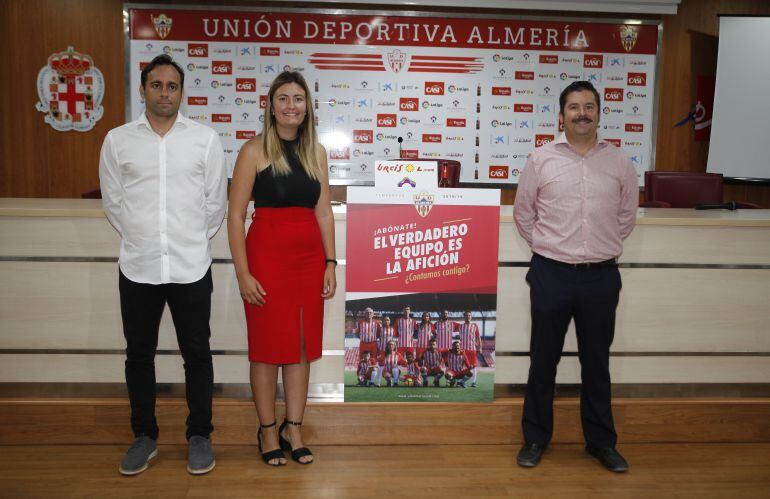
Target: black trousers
[
  {"x": 141, "y": 307},
  {"x": 560, "y": 293}
]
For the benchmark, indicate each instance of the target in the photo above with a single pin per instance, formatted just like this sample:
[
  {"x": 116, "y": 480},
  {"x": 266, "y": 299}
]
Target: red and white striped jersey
[
  {"x": 405, "y": 328},
  {"x": 444, "y": 332},
  {"x": 363, "y": 367},
  {"x": 432, "y": 359},
  {"x": 413, "y": 368},
  {"x": 367, "y": 330},
  {"x": 424, "y": 334},
  {"x": 391, "y": 360},
  {"x": 386, "y": 333},
  {"x": 469, "y": 333},
  {"x": 456, "y": 362}
]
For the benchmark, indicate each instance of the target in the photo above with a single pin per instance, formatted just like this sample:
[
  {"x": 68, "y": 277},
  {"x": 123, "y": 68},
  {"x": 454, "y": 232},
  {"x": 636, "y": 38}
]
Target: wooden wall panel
[{"x": 37, "y": 161}]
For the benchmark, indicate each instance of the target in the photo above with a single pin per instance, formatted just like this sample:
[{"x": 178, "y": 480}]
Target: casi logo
[
  {"x": 455, "y": 122},
  {"x": 262, "y": 101},
  {"x": 221, "y": 118},
  {"x": 549, "y": 59},
  {"x": 614, "y": 142},
  {"x": 501, "y": 90},
  {"x": 634, "y": 127},
  {"x": 245, "y": 134},
  {"x": 637, "y": 79},
  {"x": 592, "y": 61},
  {"x": 245, "y": 84},
  {"x": 523, "y": 108},
  {"x": 197, "y": 101},
  {"x": 222, "y": 67},
  {"x": 498, "y": 171},
  {"x": 541, "y": 140},
  {"x": 197, "y": 50},
  {"x": 525, "y": 75},
  {"x": 362, "y": 136},
  {"x": 270, "y": 51},
  {"x": 386, "y": 120},
  {"x": 409, "y": 154},
  {"x": 339, "y": 153},
  {"x": 408, "y": 104},
  {"x": 613, "y": 94},
  {"x": 431, "y": 137},
  {"x": 434, "y": 88}
]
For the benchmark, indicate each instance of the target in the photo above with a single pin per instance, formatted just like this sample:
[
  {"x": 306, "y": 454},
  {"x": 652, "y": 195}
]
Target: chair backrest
[{"x": 683, "y": 189}]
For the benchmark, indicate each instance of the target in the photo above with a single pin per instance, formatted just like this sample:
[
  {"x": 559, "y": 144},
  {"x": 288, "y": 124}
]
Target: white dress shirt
[{"x": 166, "y": 196}]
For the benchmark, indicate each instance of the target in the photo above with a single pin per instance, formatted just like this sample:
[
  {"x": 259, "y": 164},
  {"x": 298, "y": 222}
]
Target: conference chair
[{"x": 684, "y": 190}]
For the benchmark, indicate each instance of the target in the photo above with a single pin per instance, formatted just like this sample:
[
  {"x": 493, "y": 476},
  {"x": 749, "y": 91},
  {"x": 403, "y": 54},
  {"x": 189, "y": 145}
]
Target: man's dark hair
[
  {"x": 577, "y": 86},
  {"x": 162, "y": 60}
]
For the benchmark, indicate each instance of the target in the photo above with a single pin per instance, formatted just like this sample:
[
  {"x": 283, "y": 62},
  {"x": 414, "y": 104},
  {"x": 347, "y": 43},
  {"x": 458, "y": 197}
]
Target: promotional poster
[{"x": 421, "y": 282}]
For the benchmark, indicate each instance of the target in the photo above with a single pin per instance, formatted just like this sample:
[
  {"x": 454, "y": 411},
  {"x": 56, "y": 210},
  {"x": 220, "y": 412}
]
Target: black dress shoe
[
  {"x": 530, "y": 454},
  {"x": 609, "y": 457}
]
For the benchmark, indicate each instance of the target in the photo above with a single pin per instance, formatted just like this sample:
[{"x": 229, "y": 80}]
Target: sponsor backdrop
[
  {"x": 433, "y": 249},
  {"x": 480, "y": 91}
]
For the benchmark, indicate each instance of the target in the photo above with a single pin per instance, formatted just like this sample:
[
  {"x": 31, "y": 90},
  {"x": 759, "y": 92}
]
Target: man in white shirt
[{"x": 164, "y": 189}]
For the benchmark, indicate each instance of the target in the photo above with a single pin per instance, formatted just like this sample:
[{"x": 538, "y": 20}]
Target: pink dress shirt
[{"x": 574, "y": 208}]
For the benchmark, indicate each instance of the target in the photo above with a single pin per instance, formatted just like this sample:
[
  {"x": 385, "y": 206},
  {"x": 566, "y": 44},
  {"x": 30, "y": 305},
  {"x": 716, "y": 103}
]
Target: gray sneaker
[
  {"x": 139, "y": 455},
  {"x": 200, "y": 456}
]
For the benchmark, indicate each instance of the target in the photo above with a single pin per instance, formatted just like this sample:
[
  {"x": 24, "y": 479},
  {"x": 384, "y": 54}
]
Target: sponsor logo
[
  {"x": 546, "y": 76},
  {"x": 611, "y": 127},
  {"x": 340, "y": 86},
  {"x": 501, "y": 107},
  {"x": 637, "y": 79},
  {"x": 386, "y": 120},
  {"x": 409, "y": 154},
  {"x": 524, "y": 91},
  {"x": 408, "y": 104},
  {"x": 549, "y": 59},
  {"x": 571, "y": 60},
  {"x": 524, "y": 124},
  {"x": 546, "y": 124},
  {"x": 434, "y": 88},
  {"x": 632, "y": 143},
  {"x": 501, "y": 90},
  {"x": 363, "y": 136},
  {"x": 262, "y": 101},
  {"x": 498, "y": 156},
  {"x": 453, "y": 138},
  {"x": 497, "y": 140},
  {"x": 498, "y": 171},
  {"x": 523, "y": 108},
  {"x": 221, "y": 118},
  {"x": 431, "y": 137},
  {"x": 593, "y": 77},
  {"x": 453, "y": 88},
  {"x": 197, "y": 50},
  {"x": 525, "y": 75},
  {"x": 545, "y": 108},
  {"x": 613, "y": 94},
  {"x": 616, "y": 62},
  {"x": 247, "y": 68},
  {"x": 594, "y": 61},
  {"x": 269, "y": 51},
  {"x": 222, "y": 67},
  {"x": 245, "y": 134},
  {"x": 541, "y": 140},
  {"x": 637, "y": 62},
  {"x": 364, "y": 120},
  {"x": 339, "y": 153},
  {"x": 389, "y": 103},
  {"x": 197, "y": 101},
  {"x": 634, "y": 127},
  {"x": 455, "y": 122},
  {"x": 245, "y": 85},
  {"x": 615, "y": 78}
]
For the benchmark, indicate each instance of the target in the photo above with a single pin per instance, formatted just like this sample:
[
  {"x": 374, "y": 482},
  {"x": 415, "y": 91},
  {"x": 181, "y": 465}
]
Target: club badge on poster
[{"x": 421, "y": 282}]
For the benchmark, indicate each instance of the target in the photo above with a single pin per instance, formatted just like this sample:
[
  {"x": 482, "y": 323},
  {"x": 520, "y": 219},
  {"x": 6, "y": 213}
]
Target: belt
[{"x": 581, "y": 266}]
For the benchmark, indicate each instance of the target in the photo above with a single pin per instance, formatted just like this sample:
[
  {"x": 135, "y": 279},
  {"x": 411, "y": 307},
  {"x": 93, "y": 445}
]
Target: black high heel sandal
[
  {"x": 273, "y": 454},
  {"x": 296, "y": 454}
]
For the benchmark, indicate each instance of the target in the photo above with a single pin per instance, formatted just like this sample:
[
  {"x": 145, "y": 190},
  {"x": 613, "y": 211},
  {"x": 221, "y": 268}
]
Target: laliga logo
[
  {"x": 496, "y": 57},
  {"x": 495, "y": 123}
]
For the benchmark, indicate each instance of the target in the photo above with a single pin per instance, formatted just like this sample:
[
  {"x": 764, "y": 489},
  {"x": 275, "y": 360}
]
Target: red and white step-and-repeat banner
[{"x": 483, "y": 92}]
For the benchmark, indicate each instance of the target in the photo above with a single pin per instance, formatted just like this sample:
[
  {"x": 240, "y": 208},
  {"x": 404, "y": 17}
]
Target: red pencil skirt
[{"x": 286, "y": 256}]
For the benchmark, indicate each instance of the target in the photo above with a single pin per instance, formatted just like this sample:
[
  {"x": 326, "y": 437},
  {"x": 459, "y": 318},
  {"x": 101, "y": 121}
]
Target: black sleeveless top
[{"x": 282, "y": 191}]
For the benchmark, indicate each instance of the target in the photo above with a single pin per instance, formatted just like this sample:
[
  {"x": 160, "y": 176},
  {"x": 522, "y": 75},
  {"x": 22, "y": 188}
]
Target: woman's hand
[
  {"x": 251, "y": 289},
  {"x": 330, "y": 281}
]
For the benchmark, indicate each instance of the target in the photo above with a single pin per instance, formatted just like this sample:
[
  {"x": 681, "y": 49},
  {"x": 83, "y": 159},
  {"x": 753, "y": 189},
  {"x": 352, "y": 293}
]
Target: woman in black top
[{"x": 286, "y": 265}]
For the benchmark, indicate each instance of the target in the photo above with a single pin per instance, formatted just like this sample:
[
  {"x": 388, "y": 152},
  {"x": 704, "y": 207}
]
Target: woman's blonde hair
[{"x": 308, "y": 149}]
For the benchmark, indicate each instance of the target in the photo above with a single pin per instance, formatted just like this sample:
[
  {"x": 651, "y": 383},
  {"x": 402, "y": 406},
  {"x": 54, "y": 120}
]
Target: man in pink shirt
[{"x": 575, "y": 204}]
